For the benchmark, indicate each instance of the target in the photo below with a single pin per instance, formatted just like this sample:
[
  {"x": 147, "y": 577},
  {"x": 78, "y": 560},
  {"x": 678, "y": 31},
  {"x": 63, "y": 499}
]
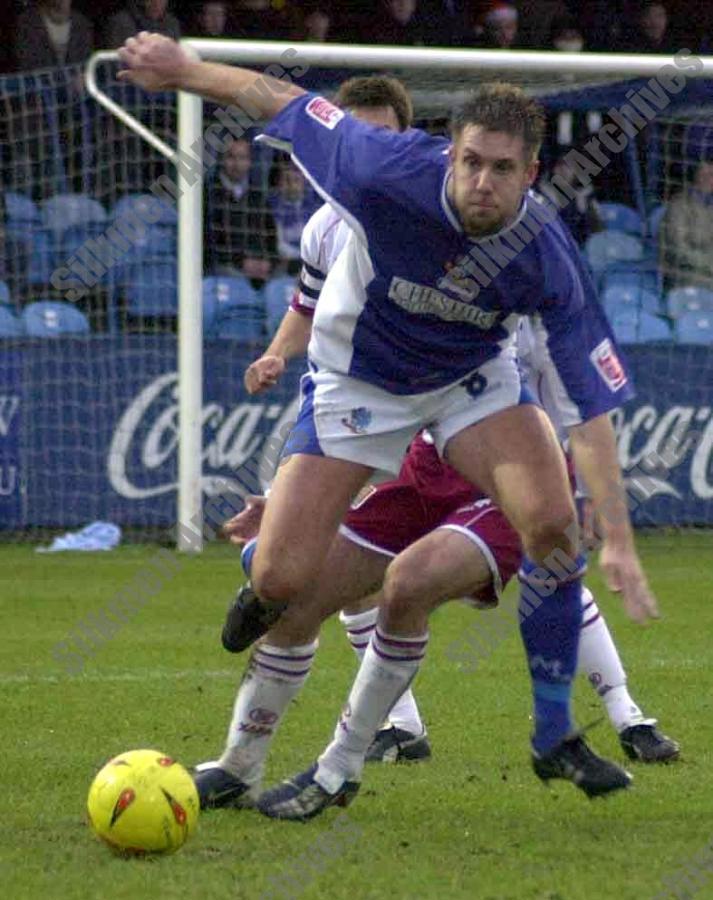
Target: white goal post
[{"x": 190, "y": 203}]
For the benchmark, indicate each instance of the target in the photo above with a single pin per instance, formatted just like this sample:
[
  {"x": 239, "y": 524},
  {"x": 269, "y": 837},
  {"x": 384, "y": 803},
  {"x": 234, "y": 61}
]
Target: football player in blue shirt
[{"x": 416, "y": 327}]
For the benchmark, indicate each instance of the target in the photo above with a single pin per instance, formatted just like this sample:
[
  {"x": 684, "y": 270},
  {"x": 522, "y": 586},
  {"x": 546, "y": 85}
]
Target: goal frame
[{"x": 189, "y": 532}]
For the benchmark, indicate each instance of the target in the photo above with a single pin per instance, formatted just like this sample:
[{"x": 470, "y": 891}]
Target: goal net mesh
[{"x": 88, "y": 295}]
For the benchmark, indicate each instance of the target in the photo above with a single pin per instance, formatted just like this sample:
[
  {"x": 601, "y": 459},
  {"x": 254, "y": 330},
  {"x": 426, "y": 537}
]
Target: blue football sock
[
  {"x": 550, "y": 620},
  {"x": 246, "y": 557}
]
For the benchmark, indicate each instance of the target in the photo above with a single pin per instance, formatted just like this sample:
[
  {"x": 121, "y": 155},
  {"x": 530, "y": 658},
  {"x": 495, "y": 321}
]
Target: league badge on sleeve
[
  {"x": 324, "y": 112},
  {"x": 607, "y": 363}
]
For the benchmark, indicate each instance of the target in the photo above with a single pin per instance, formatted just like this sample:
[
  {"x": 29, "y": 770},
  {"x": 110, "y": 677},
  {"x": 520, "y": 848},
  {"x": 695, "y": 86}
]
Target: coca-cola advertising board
[{"x": 88, "y": 430}]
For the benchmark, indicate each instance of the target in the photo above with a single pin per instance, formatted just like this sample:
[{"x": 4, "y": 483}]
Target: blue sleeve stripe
[
  {"x": 315, "y": 283},
  {"x": 313, "y": 271},
  {"x": 308, "y": 291}
]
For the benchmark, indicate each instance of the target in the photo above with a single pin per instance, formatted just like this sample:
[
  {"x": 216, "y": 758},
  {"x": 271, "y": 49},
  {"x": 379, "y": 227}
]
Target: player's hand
[
  {"x": 245, "y": 526},
  {"x": 154, "y": 62},
  {"x": 263, "y": 373},
  {"x": 623, "y": 574}
]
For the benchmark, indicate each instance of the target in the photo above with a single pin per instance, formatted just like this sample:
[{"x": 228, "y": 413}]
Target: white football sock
[
  {"x": 273, "y": 678},
  {"x": 599, "y": 661},
  {"x": 389, "y": 665},
  {"x": 359, "y": 628}
]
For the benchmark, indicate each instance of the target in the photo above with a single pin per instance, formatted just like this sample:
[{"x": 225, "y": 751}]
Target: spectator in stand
[
  {"x": 258, "y": 20},
  {"x": 239, "y": 226},
  {"x": 212, "y": 19},
  {"x": 536, "y": 19},
  {"x": 445, "y": 21},
  {"x": 290, "y": 206},
  {"x": 49, "y": 33},
  {"x": 315, "y": 25},
  {"x": 581, "y": 215},
  {"x": 500, "y": 27},
  {"x": 396, "y": 22},
  {"x": 686, "y": 233},
  {"x": 142, "y": 15},
  {"x": 566, "y": 36},
  {"x": 651, "y": 32}
]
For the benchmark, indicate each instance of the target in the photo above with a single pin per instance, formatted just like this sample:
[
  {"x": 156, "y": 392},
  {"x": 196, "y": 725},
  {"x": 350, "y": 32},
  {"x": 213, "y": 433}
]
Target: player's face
[
  {"x": 490, "y": 176},
  {"x": 381, "y": 116}
]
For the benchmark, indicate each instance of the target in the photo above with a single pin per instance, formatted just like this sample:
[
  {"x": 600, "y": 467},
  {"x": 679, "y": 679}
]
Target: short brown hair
[
  {"x": 375, "y": 91},
  {"x": 502, "y": 107}
]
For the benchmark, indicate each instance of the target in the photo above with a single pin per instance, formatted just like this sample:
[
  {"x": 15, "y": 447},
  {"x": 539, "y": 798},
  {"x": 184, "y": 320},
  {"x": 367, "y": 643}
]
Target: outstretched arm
[
  {"x": 157, "y": 63},
  {"x": 593, "y": 446},
  {"x": 291, "y": 339}
]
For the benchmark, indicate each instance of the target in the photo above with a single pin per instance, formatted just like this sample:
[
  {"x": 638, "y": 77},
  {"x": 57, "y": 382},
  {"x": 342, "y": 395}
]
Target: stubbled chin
[{"x": 481, "y": 228}]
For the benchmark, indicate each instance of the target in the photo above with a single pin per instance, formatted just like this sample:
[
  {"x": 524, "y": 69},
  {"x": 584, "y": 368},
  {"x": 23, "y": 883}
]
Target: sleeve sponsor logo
[
  {"x": 607, "y": 363},
  {"x": 324, "y": 112}
]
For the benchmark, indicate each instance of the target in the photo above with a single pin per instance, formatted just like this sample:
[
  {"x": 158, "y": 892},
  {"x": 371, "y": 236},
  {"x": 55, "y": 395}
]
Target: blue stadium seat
[
  {"x": 5, "y": 298},
  {"x": 47, "y": 318},
  {"x": 65, "y": 210},
  {"x": 618, "y": 217},
  {"x": 74, "y": 237},
  {"x": 21, "y": 213},
  {"x": 44, "y": 257},
  {"x": 688, "y": 299},
  {"x": 240, "y": 323},
  {"x": 278, "y": 294},
  {"x": 654, "y": 221},
  {"x": 221, "y": 293},
  {"x": 607, "y": 248},
  {"x": 632, "y": 326},
  {"x": 695, "y": 328},
  {"x": 148, "y": 208},
  {"x": 153, "y": 244},
  {"x": 151, "y": 290},
  {"x": 10, "y": 326},
  {"x": 631, "y": 275},
  {"x": 160, "y": 243},
  {"x": 653, "y": 328},
  {"x": 619, "y": 297},
  {"x": 22, "y": 217}
]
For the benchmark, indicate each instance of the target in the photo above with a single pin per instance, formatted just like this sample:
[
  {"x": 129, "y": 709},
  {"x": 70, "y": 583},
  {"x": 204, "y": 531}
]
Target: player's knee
[
  {"x": 402, "y": 593},
  {"x": 273, "y": 582},
  {"x": 554, "y": 529}
]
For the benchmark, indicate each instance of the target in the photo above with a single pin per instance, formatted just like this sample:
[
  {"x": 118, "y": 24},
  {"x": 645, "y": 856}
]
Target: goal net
[{"x": 91, "y": 414}]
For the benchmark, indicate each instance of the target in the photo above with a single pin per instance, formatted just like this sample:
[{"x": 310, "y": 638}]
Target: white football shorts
[{"x": 350, "y": 419}]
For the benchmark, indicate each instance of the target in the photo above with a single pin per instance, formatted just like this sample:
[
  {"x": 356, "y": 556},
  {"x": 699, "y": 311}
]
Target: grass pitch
[{"x": 472, "y": 823}]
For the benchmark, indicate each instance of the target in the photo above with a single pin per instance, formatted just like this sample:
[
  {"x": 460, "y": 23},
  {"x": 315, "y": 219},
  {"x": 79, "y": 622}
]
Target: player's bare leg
[
  {"x": 308, "y": 500},
  {"x": 515, "y": 457},
  {"x": 277, "y": 670},
  {"x": 439, "y": 566}
]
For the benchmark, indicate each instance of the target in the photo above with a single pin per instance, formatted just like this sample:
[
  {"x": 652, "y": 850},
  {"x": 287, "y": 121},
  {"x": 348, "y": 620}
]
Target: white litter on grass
[{"x": 97, "y": 536}]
